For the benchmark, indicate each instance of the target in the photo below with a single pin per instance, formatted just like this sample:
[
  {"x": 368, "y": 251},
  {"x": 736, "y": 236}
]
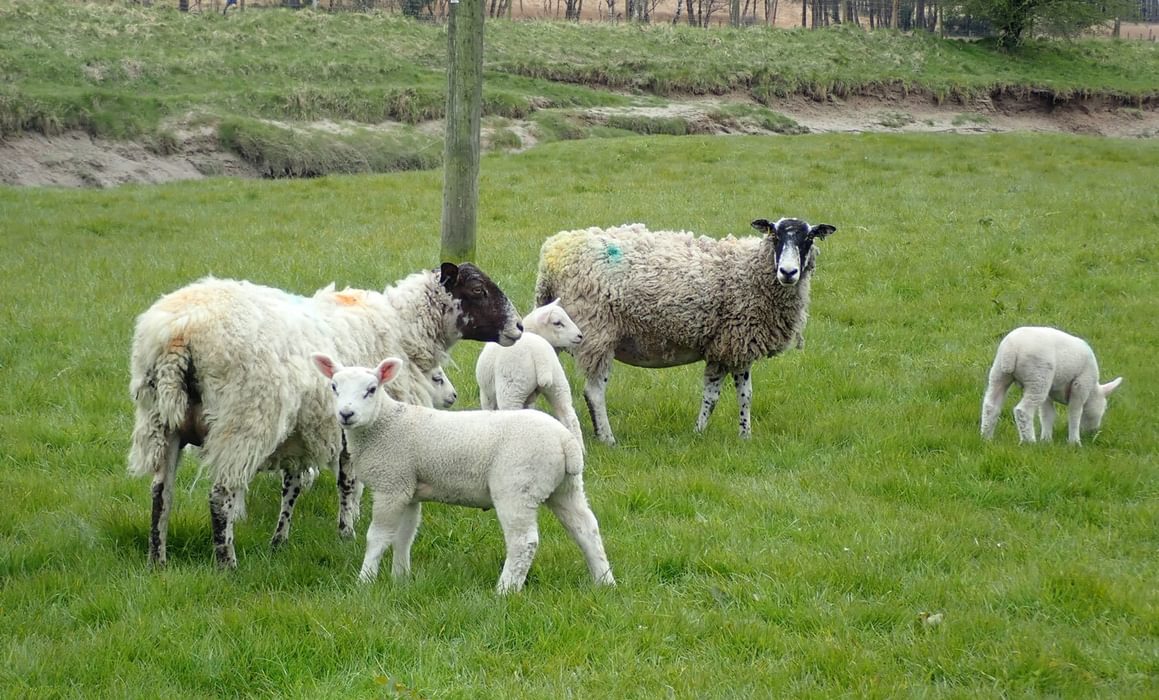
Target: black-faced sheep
[{"x": 663, "y": 298}]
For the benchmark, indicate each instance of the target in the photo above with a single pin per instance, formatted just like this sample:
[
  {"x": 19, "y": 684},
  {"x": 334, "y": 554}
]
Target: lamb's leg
[
  {"x": 224, "y": 504},
  {"x": 570, "y": 505},
  {"x": 743, "y": 379},
  {"x": 1074, "y": 415},
  {"x": 1046, "y": 419},
  {"x": 349, "y": 496},
  {"x": 404, "y": 537},
  {"x": 521, "y": 535},
  {"x": 595, "y": 391},
  {"x": 713, "y": 377},
  {"x": 559, "y": 398},
  {"x": 388, "y": 514},
  {"x": 163, "y": 501},
  {"x": 1033, "y": 394},
  {"x": 996, "y": 389},
  {"x": 291, "y": 489}
]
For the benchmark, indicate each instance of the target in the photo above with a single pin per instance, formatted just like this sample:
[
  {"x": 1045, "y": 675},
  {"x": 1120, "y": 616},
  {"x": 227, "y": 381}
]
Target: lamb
[
  {"x": 663, "y": 298},
  {"x": 1050, "y": 365},
  {"x": 512, "y": 377},
  {"x": 513, "y": 461},
  {"x": 224, "y": 365},
  {"x": 442, "y": 391}
]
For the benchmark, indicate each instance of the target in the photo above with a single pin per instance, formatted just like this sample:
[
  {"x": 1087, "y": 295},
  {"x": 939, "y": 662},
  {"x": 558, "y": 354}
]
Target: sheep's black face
[
  {"x": 482, "y": 310},
  {"x": 792, "y": 245}
]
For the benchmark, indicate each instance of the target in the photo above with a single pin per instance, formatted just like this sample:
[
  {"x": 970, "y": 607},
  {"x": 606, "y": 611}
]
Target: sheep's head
[
  {"x": 481, "y": 311},
  {"x": 356, "y": 388},
  {"x": 443, "y": 394},
  {"x": 792, "y": 241},
  {"x": 552, "y": 323},
  {"x": 1096, "y": 405}
]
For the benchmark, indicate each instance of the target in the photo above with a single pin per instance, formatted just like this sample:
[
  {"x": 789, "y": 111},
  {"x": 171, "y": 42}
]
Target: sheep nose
[
  {"x": 346, "y": 416},
  {"x": 789, "y": 273},
  {"x": 519, "y": 325}
]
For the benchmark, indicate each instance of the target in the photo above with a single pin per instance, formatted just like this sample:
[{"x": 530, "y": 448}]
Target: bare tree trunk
[
  {"x": 893, "y": 16},
  {"x": 464, "y": 110},
  {"x": 804, "y": 10}
]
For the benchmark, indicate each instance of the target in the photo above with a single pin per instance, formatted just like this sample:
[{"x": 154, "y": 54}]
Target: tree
[{"x": 1014, "y": 20}]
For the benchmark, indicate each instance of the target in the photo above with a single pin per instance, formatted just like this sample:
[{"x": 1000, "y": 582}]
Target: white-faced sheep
[
  {"x": 1050, "y": 365},
  {"x": 662, "y": 298},
  {"x": 512, "y": 377},
  {"x": 513, "y": 461},
  {"x": 225, "y": 365},
  {"x": 443, "y": 394}
]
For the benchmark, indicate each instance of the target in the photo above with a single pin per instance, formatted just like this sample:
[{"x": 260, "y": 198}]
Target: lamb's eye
[
  {"x": 369, "y": 392},
  {"x": 334, "y": 387},
  {"x": 558, "y": 324},
  {"x": 438, "y": 380}
]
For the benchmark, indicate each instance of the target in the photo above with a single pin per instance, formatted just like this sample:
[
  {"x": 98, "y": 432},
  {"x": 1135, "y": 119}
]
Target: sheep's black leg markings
[
  {"x": 163, "y": 502},
  {"x": 743, "y": 379},
  {"x": 713, "y": 376},
  {"x": 221, "y": 505},
  {"x": 291, "y": 488},
  {"x": 347, "y": 496}
]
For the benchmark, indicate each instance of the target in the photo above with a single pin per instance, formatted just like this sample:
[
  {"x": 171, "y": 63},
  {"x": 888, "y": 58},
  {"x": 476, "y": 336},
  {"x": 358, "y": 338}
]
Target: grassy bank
[
  {"x": 791, "y": 565},
  {"x": 121, "y": 70}
]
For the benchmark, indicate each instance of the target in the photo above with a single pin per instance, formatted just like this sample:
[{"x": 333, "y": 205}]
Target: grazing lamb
[
  {"x": 1050, "y": 366},
  {"x": 512, "y": 377},
  {"x": 510, "y": 460},
  {"x": 225, "y": 365},
  {"x": 662, "y": 298}
]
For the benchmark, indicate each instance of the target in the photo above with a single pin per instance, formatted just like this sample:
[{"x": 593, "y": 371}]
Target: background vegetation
[
  {"x": 794, "y": 564},
  {"x": 374, "y": 80}
]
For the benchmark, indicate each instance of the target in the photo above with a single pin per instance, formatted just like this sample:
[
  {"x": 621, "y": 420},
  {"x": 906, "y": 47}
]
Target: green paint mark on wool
[{"x": 613, "y": 252}]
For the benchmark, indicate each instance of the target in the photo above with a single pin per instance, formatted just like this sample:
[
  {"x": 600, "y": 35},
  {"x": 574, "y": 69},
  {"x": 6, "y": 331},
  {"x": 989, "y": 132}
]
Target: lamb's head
[
  {"x": 1096, "y": 405},
  {"x": 792, "y": 241},
  {"x": 480, "y": 310},
  {"x": 356, "y": 388},
  {"x": 443, "y": 394},
  {"x": 551, "y": 322}
]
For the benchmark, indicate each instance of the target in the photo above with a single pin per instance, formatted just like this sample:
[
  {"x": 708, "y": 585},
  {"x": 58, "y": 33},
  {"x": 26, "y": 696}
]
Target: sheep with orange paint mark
[{"x": 225, "y": 364}]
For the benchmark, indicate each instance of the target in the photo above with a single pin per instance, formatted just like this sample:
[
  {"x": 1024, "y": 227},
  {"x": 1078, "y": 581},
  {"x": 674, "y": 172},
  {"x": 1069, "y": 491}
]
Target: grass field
[{"x": 794, "y": 564}]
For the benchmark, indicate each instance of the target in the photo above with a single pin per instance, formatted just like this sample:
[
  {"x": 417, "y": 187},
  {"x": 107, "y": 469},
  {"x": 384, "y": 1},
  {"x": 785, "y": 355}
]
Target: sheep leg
[
  {"x": 595, "y": 392},
  {"x": 224, "y": 503},
  {"x": 992, "y": 401},
  {"x": 559, "y": 398},
  {"x": 570, "y": 506},
  {"x": 1074, "y": 416},
  {"x": 163, "y": 501},
  {"x": 349, "y": 496},
  {"x": 1033, "y": 394},
  {"x": 521, "y": 535},
  {"x": 404, "y": 537},
  {"x": 389, "y": 512},
  {"x": 713, "y": 377},
  {"x": 291, "y": 489},
  {"x": 743, "y": 380},
  {"x": 1046, "y": 419}
]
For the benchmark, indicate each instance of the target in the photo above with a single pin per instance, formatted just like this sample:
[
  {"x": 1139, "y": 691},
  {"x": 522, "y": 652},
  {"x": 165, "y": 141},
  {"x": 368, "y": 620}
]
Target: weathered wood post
[{"x": 464, "y": 109}]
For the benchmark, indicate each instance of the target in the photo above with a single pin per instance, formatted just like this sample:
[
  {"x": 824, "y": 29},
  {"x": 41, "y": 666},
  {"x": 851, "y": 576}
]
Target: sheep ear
[
  {"x": 821, "y": 230},
  {"x": 763, "y": 226},
  {"x": 387, "y": 370},
  {"x": 324, "y": 364},
  {"x": 448, "y": 275},
  {"x": 1106, "y": 389}
]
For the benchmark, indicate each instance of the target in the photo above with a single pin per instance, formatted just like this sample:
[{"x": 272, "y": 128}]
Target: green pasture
[{"x": 791, "y": 565}]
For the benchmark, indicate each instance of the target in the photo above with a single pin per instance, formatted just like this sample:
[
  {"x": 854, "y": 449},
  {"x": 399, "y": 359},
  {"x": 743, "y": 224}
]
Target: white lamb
[
  {"x": 510, "y": 460},
  {"x": 442, "y": 391},
  {"x": 1050, "y": 366},
  {"x": 224, "y": 364},
  {"x": 512, "y": 377}
]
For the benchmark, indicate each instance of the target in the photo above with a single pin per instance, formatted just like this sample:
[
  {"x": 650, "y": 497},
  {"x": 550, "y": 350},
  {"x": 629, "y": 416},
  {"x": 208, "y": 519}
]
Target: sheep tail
[
  {"x": 160, "y": 392},
  {"x": 573, "y": 456}
]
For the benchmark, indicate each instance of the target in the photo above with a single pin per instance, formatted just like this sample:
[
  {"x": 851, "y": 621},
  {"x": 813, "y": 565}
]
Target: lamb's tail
[
  {"x": 160, "y": 391},
  {"x": 573, "y": 455}
]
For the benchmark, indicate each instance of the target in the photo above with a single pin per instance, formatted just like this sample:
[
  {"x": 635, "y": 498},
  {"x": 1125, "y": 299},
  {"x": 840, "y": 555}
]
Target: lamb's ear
[
  {"x": 1106, "y": 389},
  {"x": 764, "y": 226},
  {"x": 448, "y": 275},
  {"x": 324, "y": 364},
  {"x": 388, "y": 369},
  {"x": 821, "y": 230}
]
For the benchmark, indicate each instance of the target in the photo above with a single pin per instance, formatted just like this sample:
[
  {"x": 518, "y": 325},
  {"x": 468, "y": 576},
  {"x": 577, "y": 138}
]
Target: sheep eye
[
  {"x": 558, "y": 324},
  {"x": 369, "y": 392},
  {"x": 334, "y": 387},
  {"x": 438, "y": 380}
]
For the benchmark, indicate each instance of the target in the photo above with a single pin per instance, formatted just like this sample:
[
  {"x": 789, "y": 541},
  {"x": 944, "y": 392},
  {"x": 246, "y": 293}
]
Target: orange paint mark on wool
[
  {"x": 182, "y": 299},
  {"x": 350, "y": 297}
]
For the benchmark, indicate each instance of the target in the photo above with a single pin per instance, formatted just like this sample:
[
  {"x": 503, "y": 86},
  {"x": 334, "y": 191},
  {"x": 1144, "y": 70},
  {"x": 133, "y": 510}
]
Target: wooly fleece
[
  {"x": 513, "y": 377},
  {"x": 1051, "y": 366},
  {"x": 512, "y": 461}
]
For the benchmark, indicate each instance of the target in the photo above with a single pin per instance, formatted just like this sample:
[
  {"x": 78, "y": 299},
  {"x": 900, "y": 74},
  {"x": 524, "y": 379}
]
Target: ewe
[
  {"x": 225, "y": 365},
  {"x": 663, "y": 298},
  {"x": 1050, "y": 366},
  {"x": 510, "y": 460},
  {"x": 512, "y": 377}
]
